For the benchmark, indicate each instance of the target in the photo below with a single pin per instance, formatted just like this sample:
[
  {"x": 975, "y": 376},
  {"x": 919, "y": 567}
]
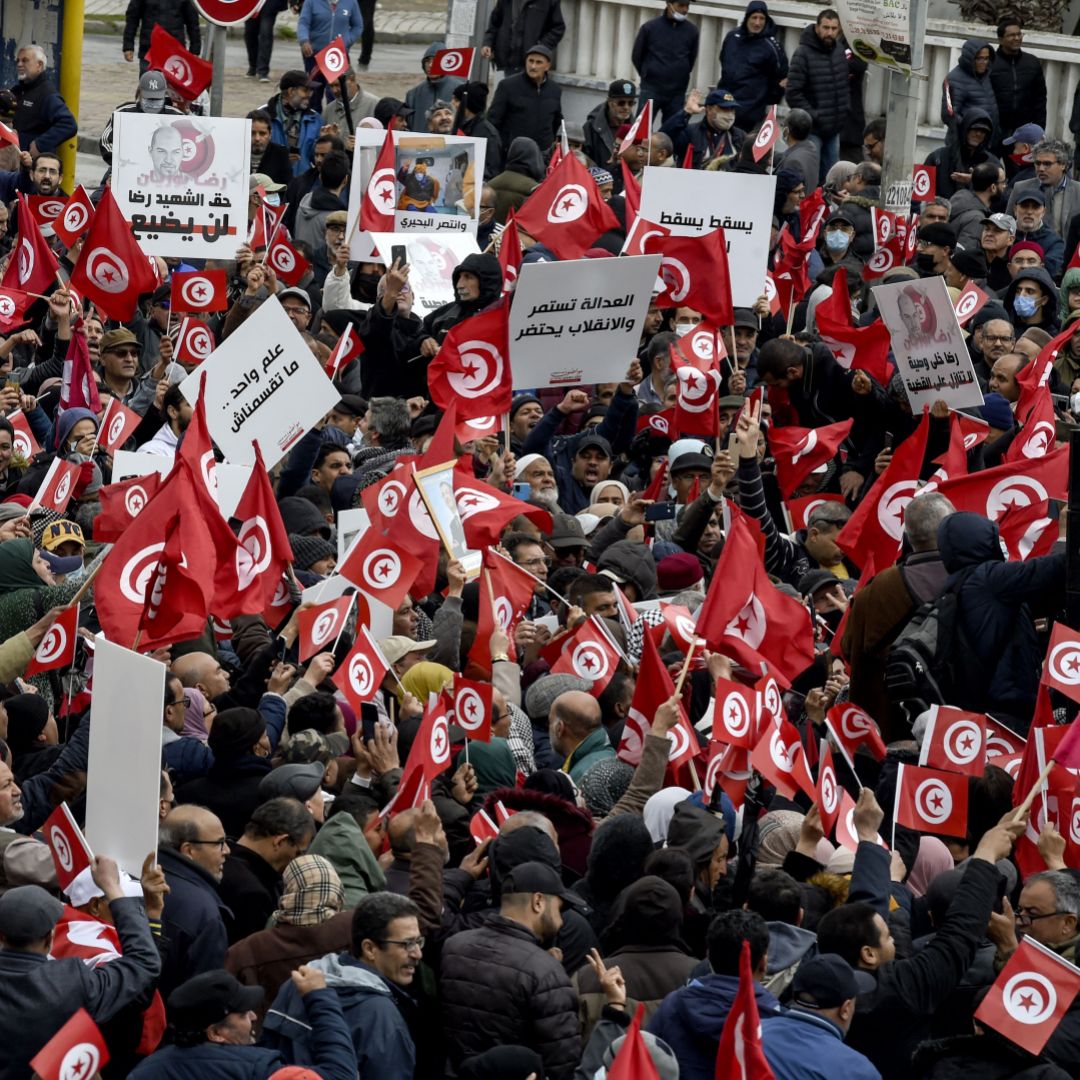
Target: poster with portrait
[
  {"x": 182, "y": 182},
  {"x": 928, "y": 344},
  {"x": 436, "y": 487},
  {"x": 431, "y": 258},
  {"x": 437, "y": 181}
]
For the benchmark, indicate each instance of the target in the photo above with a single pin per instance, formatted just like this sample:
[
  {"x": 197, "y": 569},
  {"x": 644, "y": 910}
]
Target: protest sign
[
  {"x": 127, "y": 463},
  {"x": 673, "y": 198},
  {"x": 436, "y": 487},
  {"x": 182, "y": 182},
  {"x": 436, "y": 181},
  {"x": 878, "y": 33},
  {"x": 350, "y": 524},
  {"x": 123, "y": 785},
  {"x": 231, "y": 481},
  {"x": 264, "y": 383},
  {"x": 575, "y": 323},
  {"x": 928, "y": 344},
  {"x": 431, "y": 258}
]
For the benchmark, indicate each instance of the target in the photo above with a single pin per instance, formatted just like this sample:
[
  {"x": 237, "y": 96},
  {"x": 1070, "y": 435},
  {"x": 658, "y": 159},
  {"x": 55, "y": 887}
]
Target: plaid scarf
[{"x": 312, "y": 892}]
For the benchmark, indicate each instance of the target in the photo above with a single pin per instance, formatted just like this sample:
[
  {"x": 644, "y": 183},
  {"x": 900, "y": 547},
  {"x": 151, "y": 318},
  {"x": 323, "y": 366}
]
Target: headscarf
[
  {"x": 493, "y": 764},
  {"x": 16, "y": 566},
  {"x": 27, "y": 716},
  {"x": 660, "y": 809},
  {"x": 594, "y": 498},
  {"x": 778, "y": 833},
  {"x": 312, "y": 892},
  {"x": 934, "y": 858},
  {"x": 195, "y": 715},
  {"x": 648, "y": 912},
  {"x": 424, "y": 678},
  {"x": 605, "y": 784}
]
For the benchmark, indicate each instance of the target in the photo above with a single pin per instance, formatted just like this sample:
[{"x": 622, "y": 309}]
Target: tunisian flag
[
  {"x": 380, "y": 197},
  {"x": 697, "y": 395},
  {"x": 57, "y": 647},
  {"x": 565, "y": 213},
  {"x": 472, "y": 366},
  {"x": 33, "y": 265},
  {"x": 863, "y": 348},
  {"x": 740, "y": 1055},
  {"x": 78, "y": 1045},
  {"x": 1030, "y": 996},
  {"x": 505, "y": 594},
  {"x": 694, "y": 270},
  {"x": 931, "y": 801},
  {"x": 799, "y": 451},
  {"x": 747, "y": 618},
  {"x": 779, "y": 757},
  {"x": 186, "y": 73},
  {"x": 955, "y": 741},
  {"x": 589, "y": 654},
  {"x": 485, "y": 511}
]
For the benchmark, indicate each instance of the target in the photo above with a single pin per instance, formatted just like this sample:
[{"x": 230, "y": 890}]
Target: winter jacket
[
  {"x": 664, "y": 54},
  {"x": 1049, "y": 310},
  {"x": 384, "y": 1048},
  {"x": 193, "y": 921},
  {"x": 500, "y": 987},
  {"x": 966, "y": 217},
  {"x": 38, "y": 995},
  {"x": 511, "y": 190},
  {"x": 858, "y": 208},
  {"x": 800, "y": 1045},
  {"x": 310, "y": 126},
  {"x": 818, "y": 83},
  {"x": 594, "y": 748},
  {"x": 479, "y": 127},
  {"x": 789, "y": 946},
  {"x": 320, "y": 23},
  {"x": 342, "y": 841},
  {"x": 250, "y": 888},
  {"x": 361, "y": 105},
  {"x": 707, "y": 142},
  {"x": 422, "y": 96},
  {"x": 485, "y": 266},
  {"x": 957, "y": 156},
  {"x": 1062, "y": 204},
  {"x": 184, "y": 757},
  {"x": 1019, "y": 87},
  {"x": 539, "y": 22},
  {"x": 41, "y": 115},
  {"x": 752, "y": 67},
  {"x": 691, "y": 1019},
  {"x": 315, "y": 207},
  {"x": 176, "y": 17},
  {"x": 963, "y": 90},
  {"x": 333, "y": 1052},
  {"x": 520, "y": 107},
  {"x": 599, "y": 138},
  {"x": 998, "y": 602}
]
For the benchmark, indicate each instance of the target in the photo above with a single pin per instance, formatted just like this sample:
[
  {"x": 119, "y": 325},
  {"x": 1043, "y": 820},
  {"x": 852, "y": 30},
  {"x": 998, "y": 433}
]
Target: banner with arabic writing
[
  {"x": 182, "y": 182},
  {"x": 264, "y": 383}
]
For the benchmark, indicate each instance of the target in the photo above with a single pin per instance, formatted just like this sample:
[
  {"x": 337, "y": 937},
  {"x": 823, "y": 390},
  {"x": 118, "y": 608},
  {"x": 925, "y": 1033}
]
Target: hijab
[
  {"x": 16, "y": 566},
  {"x": 195, "y": 715},
  {"x": 778, "y": 833},
  {"x": 594, "y": 498},
  {"x": 312, "y": 892},
  {"x": 934, "y": 858},
  {"x": 424, "y": 678},
  {"x": 493, "y": 764},
  {"x": 660, "y": 809}
]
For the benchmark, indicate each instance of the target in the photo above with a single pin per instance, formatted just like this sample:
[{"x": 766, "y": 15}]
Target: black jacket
[
  {"x": 752, "y": 67},
  {"x": 957, "y": 156},
  {"x": 818, "y": 83},
  {"x": 275, "y": 163},
  {"x": 486, "y": 267},
  {"x": 706, "y": 141},
  {"x": 41, "y": 114},
  {"x": 176, "y": 17},
  {"x": 1020, "y": 90},
  {"x": 479, "y": 127},
  {"x": 540, "y": 22},
  {"x": 193, "y": 921},
  {"x": 963, "y": 90},
  {"x": 521, "y": 107},
  {"x": 500, "y": 987},
  {"x": 665, "y": 53},
  {"x": 250, "y": 888},
  {"x": 230, "y": 789}
]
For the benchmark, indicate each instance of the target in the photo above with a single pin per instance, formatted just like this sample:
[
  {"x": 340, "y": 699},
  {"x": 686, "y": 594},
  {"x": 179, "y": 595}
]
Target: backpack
[{"x": 928, "y": 661}]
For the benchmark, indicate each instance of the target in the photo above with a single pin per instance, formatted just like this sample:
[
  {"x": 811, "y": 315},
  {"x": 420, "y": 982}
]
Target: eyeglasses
[
  {"x": 1002, "y": 339},
  {"x": 185, "y": 701},
  {"x": 871, "y": 145},
  {"x": 124, "y": 352},
  {"x": 1046, "y": 164},
  {"x": 220, "y": 844},
  {"x": 408, "y": 944},
  {"x": 1026, "y": 915}
]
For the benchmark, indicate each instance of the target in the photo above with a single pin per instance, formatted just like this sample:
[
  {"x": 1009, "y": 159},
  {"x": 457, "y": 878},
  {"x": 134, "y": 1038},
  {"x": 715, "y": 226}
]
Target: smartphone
[
  {"x": 369, "y": 717},
  {"x": 664, "y": 511},
  {"x": 889, "y": 440},
  {"x": 521, "y": 491},
  {"x": 397, "y": 255}
]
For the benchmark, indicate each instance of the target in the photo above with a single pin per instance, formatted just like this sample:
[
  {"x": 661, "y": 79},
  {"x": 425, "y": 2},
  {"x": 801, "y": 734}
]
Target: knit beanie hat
[{"x": 27, "y": 716}]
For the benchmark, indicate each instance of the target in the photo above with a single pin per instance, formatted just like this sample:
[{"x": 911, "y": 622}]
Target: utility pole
[
  {"x": 217, "y": 84},
  {"x": 466, "y": 21},
  {"x": 902, "y": 120}
]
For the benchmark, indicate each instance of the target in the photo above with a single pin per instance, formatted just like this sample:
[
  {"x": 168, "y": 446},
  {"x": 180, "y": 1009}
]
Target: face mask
[
  {"x": 924, "y": 262},
  {"x": 723, "y": 120},
  {"x": 1024, "y": 306},
  {"x": 684, "y": 329},
  {"x": 272, "y": 199},
  {"x": 1074, "y": 402},
  {"x": 367, "y": 284},
  {"x": 678, "y": 16},
  {"x": 153, "y": 105},
  {"x": 836, "y": 240}
]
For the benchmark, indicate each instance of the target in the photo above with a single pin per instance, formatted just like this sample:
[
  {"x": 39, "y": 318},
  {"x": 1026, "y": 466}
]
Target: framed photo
[{"x": 436, "y": 487}]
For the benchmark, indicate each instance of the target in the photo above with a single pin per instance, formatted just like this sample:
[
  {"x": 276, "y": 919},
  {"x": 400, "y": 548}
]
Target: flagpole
[
  {"x": 348, "y": 612},
  {"x": 85, "y": 586},
  {"x": 101, "y": 424},
  {"x": 561, "y": 599},
  {"x": 686, "y": 666},
  {"x": 1025, "y": 806}
]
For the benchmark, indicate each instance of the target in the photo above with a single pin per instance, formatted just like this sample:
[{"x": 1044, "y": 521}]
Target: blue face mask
[
  {"x": 1024, "y": 306},
  {"x": 836, "y": 240}
]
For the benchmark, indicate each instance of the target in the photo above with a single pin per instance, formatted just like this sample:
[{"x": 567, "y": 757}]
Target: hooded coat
[
  {"x": 752, "y": 67},
  {"x": 486, "y": 267},
  {"x": 957, "y": 156},
  {"x": 1049, "y": 310},
  {"x": 522, "y": 172},
  {"x": 998, "y": 602},
  {"x": 963, "y": 89},
  {"x": 818, "y": 83}
]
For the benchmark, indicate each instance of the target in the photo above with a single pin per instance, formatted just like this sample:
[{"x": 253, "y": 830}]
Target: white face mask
[
  {"x": 722, "y": 121},
  {"x": 678, "y": 16},
  {"x": 1075, "y": 403},
  {"x": 684, "y": 328},
  {"x": 272, "y": 198}
]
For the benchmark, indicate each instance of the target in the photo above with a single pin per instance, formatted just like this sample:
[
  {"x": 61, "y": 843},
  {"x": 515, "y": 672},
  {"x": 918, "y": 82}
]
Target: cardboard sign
[
  {"x": 687, "y": 202},
  {"x": 431, "y": 258},
  {"x": 182, "y": 182},
  {"x": 928, "y": 343},
  {"x": 128, "y": 463},
  {"x": 577, "y": 323},
  {"x": 264, "y": 383}
]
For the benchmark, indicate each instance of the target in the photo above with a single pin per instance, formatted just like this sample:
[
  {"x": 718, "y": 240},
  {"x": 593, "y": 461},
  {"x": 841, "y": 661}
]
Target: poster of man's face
[
  {"x": 166, "y": 151},
  {"x": 437, "y": 490}
]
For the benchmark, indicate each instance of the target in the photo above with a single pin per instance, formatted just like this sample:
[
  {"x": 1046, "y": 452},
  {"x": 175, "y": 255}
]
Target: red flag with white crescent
[
  {"x": 380, "y": 196},
  {"x": 57, "y": 648}
]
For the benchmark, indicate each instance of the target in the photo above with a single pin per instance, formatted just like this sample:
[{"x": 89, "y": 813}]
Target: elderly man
[
  {"x": 119, "y": 354},
  {"x": 536, "y": 471},
  {"x": 361, "y": 104},
  {"x": 201, "y": 671},
  {"x": 1030, "y": 209},
  {"x": 605, "y": 120},
  {"x": 991, "y": 339},
  {"x": 997, "y": 236},
  {"x": 42, "y": 118},
  {"x": 577, "y": 734}
]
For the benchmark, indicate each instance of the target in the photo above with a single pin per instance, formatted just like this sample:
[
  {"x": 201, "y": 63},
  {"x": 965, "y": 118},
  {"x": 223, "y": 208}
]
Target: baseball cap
[
  {"x": 388, "y": 107},
  {"x": 828, "y": 981},
  {"x": 59, "y": 532},
  {"x": 296, "y": 781},
  {"x": 566, "y": 531},
  {"x": 622, "y": 88},
  {"x": 268, "y": 185},
  {"x": 745, "y": 317},
  {"x": 538, "y": 877},
  {"x": 208, "y": 998},
  {"x": 296, "y": 77},
  {"x": 152, "y": 86},
  {"x": 1025, "y": 133},
  {"x": 394, "y": 648},
  {"x": 1005, "y": 222},
  {"x": 598, "y": 441},
  {"x": 299, "y": 294},
  {"x": 810, "y": 582},
  {"x": 1034, "y": 195},
  {"x": 722, "y": 97},
  {"x": 689, "y": 454}
]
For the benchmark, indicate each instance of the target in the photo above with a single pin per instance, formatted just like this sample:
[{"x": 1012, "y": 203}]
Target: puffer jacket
[
  {"x": 963, "y": 89},
  {"x": 486, "y": 267},
  {"x": 998, "y": 602},
  {"x": 752, "y": 67},
  {"x": 500, "y": 987},
  {"x": 176, "y": 17},
  {"x": 818, "y": 83}
]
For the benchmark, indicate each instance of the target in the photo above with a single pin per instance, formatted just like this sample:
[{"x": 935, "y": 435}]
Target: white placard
[
  {"x": 691, "y": 202},
  {"x": 431, "y": 258},
  {"x": 231, "y": 481},
  {"x": 928, "y": 344},
  {"x": 182, "y": 182},
  {"x": 445, "y": 199},
  {"x": 123, "y": 785},
  {"x": 128, "y": 463},
  {"x": 264, "y": 383},
  {"x": 351, "y": 523},
  {"x": 577, "y": 323}
]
